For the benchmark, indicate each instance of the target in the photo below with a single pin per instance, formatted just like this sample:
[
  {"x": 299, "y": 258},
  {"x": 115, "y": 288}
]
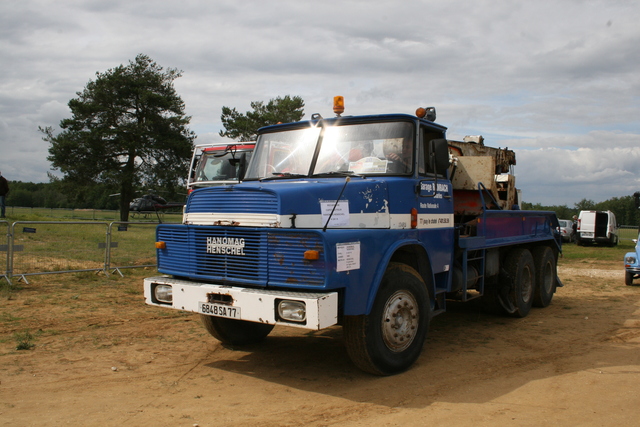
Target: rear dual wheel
[
  {"x": 529, "y": 279},
  {"x": 546, "y": 273},
  {"x": 519, "y": 281}
]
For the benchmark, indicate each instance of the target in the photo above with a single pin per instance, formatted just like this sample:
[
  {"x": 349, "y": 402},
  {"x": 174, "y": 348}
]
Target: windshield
[
  {"x": 280, "y": 153},
  {"x": 370, "y": 148},
  {"x": 213, "y": 166}
]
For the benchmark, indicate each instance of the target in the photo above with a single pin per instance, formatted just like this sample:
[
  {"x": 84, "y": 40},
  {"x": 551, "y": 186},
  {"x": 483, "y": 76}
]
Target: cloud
[
  {"x": 556, "y": 81},
  {"x": 562, "y": 176}
]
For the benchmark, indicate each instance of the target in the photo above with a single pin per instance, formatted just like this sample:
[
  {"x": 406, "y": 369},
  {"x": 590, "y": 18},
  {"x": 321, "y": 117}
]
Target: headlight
[
  {"x": 163, "y": 293},
  {"x": 293, "y": 311},
  {"x": 630, "y": 259}
]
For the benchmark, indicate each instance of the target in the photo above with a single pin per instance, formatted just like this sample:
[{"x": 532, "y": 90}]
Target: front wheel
[
  {"x": 628, "y": 278},
  {"x": 235, "y": 332},
  {"x": 390, "y": 339}
]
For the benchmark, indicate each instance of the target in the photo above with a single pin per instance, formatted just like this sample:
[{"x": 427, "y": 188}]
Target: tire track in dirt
[{"x": 630, "y": 331}]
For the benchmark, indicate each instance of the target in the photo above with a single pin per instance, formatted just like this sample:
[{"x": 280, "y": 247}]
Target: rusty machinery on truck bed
[{"x": 481, "y": 177}]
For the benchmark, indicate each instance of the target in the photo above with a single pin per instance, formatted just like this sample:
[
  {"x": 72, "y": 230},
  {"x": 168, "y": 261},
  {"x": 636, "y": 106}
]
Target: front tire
[
  {"x": 628, "y": 278},
  {"x": 235, "y": 332},
  {"x": 390, "y": 339}
]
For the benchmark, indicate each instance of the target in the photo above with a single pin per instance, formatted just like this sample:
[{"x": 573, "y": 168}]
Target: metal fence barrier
[
  {"x": 4, "y": 247},
  {"x": 130, "y": 245},
  {"x": 628, "y": 232},
  {"x": 50, "y": 247}
]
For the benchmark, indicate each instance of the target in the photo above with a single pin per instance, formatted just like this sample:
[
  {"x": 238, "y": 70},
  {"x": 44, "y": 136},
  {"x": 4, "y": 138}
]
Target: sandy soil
[{"x": 101, "y": 357}]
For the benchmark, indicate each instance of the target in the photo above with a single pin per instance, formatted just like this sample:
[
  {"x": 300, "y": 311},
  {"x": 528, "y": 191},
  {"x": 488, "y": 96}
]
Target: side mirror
[
  {"x": 439, "y": 156},
  {"x": 243, "y": 166}
]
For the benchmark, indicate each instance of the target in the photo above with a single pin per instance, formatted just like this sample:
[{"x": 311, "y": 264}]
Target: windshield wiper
[
  {"x": 338, "y": 173},
  {"x": 283, "y": 175}
]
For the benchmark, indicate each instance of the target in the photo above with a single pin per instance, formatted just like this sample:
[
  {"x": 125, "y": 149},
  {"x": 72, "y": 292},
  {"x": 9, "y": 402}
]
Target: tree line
[{"x": 51, "y": 195}]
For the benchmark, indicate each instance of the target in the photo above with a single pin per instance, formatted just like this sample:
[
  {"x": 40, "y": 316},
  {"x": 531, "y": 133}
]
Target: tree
[
  {"x": 244, "y": 127},
  {"x": 585, "y": 205},
  {"x": 128, "y": 130}
]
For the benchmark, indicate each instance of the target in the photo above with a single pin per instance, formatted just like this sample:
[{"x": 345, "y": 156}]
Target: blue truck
[{"x": 373, "y": 223}]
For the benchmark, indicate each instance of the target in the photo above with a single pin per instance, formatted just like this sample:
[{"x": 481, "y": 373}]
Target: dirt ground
[{"x": 96, "y": 355}]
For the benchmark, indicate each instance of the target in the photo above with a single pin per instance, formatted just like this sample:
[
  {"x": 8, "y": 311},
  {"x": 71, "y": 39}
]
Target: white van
[{"x": 598, "y": 227}]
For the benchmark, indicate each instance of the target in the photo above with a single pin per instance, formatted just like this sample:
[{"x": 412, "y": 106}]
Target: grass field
[
  {"x": 603, "y": 253},
  {"x": 573, "y": 252},
  {"x": 48, "y": 214},
  {"x": 55, "y": 240}
]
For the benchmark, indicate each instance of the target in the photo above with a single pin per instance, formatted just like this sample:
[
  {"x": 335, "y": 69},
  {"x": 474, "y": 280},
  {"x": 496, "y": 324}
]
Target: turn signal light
[
  {"x": 414, "y": 218},
  {"x": 161, "y": 245},
  {"x": 311, "y": 255}
]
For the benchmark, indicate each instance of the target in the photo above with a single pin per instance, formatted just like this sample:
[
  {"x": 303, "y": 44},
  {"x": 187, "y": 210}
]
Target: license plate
[
  {"x": 220, "y": 310},
  {"x": 587, "y": 234}
]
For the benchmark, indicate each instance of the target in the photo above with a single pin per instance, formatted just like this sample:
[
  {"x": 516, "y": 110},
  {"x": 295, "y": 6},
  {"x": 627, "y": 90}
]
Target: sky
[{"x": 556, "y": 81}]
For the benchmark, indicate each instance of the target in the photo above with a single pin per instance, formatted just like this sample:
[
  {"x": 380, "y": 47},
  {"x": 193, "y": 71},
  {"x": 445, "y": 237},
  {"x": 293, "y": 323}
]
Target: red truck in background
[{"x": 219, "y": 164}]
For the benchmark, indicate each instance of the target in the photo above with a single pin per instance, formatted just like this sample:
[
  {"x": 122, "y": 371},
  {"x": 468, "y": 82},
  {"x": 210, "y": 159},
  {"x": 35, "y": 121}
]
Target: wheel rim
[
  {"x": 400, "y": 321},
  {"x": 527, "y": 285}
]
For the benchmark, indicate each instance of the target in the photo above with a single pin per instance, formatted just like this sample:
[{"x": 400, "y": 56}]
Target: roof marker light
[
  {"x": 428, "y": 113},
  {"x": 338, "y": 105}
]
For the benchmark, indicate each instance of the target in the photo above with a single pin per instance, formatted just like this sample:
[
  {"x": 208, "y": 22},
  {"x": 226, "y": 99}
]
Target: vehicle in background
[
  {"x": 597, "y": 227},
  {"x": 566, "y": 230},
  {"x": 632, "y": 259},
  {"x": 219, "y": 164},
  {"x": 632, "y": 264},
  {"x": 152, "y": 203}
]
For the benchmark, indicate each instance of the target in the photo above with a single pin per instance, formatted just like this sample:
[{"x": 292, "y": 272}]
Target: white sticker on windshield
[
  {"x": 340, "y": 216},
  {"x": 348, "y": 256},
  {"x": 369, "y": 165}
]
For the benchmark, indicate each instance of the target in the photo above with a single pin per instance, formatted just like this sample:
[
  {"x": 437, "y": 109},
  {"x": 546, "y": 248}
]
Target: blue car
[{"x": 632, "y": 264}]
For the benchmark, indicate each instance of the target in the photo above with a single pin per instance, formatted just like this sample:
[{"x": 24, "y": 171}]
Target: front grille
[
  {"x": 249, "y": 267},
  {"x": 257, "y": 257},
  {"x": 230, "y": 200}
]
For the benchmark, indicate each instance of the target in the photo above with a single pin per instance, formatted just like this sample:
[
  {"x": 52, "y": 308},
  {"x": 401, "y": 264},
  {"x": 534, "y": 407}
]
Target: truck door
[{"x": 434, "y": 200}]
